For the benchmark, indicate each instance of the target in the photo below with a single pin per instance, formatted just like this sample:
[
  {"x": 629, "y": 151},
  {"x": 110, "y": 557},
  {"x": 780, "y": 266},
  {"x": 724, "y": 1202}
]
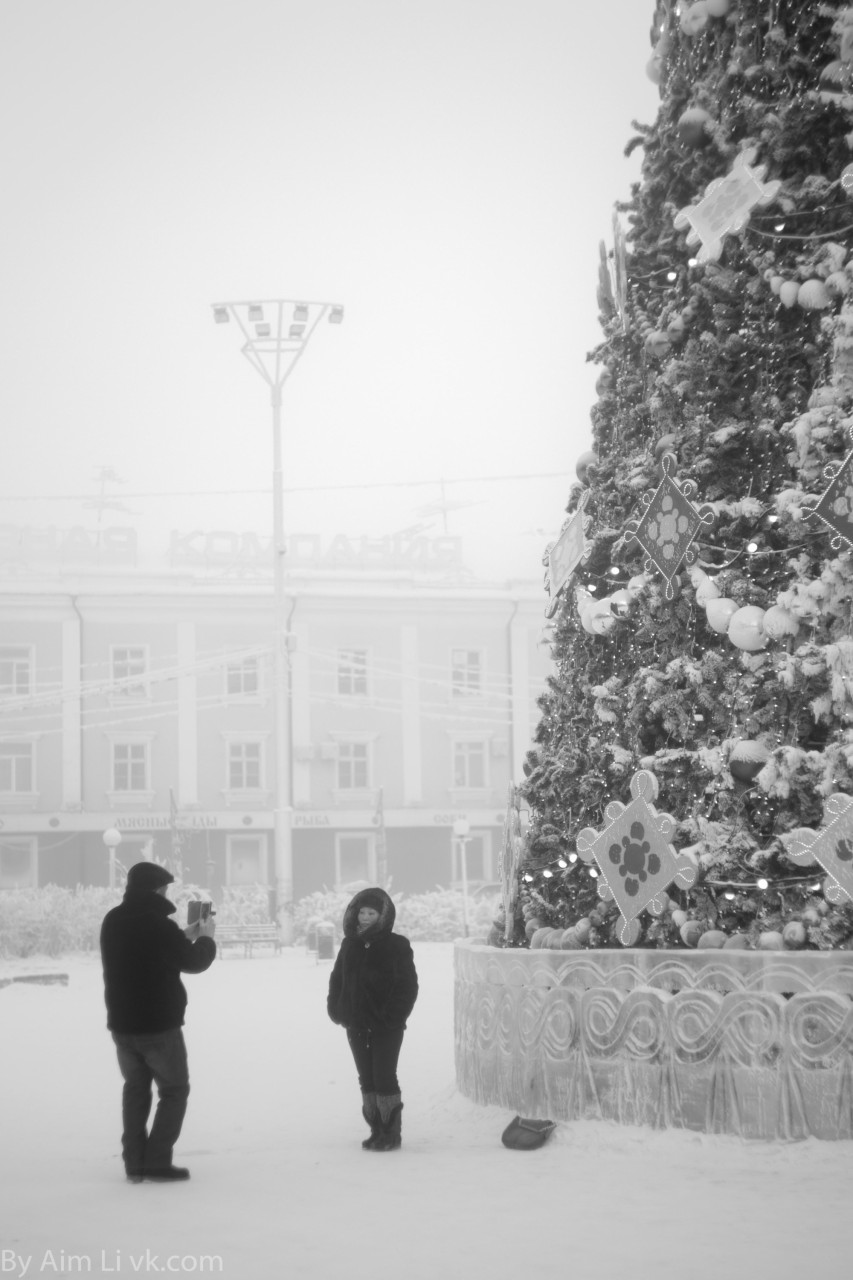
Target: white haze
[{"x": 445, "y": 170}]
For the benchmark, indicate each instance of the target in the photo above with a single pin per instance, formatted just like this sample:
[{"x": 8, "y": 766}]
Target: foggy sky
[{"x": 445, "y": 170}]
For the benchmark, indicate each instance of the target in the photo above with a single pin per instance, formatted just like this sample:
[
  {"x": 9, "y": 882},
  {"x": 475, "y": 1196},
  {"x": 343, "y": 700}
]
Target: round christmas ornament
[
  {"x": 779, "y": 623},
  {"x": 794, "y": 935},
  {"x": 838, "y": 284},
  {"x": 620, "y": 602},
  {"x": 666, "y": 444},
  {"x": 583, "y": 465},
  {"x": 719, "y": 613},
  {"x": 695, "y": 19},
  {"x": 707, "y": 590},
  {"x": 747, "y": 760},
  {"x": 583, "y": 928},
  {"x": 776, "y": 283},
  {"x": 676, "y": 329},
  {"x": 788, "y": 293},
  {"x": 693, "y": 124},
  {"x": 847, "y": 179},
  {"x": 770, "y": 940},
  {"x": 637, "y": 584},
  {"x": 711, "y": 940},
  {"x": 691, "y": 932},
  {"x": 657, "y": 344},
  {"x": 540, "y": 937},
  {"x": 813, "y": 295},
  {"x": 736, "y": 942},
  {"x": 746, "y": 629},
  {"x": 601, "y": 618}
]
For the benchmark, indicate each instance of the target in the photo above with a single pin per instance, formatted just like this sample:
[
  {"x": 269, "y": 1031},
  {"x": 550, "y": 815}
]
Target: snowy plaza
[{"x": 281, "y": 1187}]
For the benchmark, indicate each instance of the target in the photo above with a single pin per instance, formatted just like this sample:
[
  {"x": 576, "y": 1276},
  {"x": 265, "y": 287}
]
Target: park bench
[{"x": 248, "y": 936}]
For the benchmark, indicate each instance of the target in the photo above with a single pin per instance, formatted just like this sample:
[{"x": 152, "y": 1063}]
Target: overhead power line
[{"x": 309, "y": 488}]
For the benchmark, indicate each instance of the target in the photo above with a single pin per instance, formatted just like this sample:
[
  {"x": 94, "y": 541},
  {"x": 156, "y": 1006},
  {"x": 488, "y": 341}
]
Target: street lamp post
[
  {"x": 276, "y": 334},
  {"x": 461, "y": 829},
  {"x": 112, "y": 839}
]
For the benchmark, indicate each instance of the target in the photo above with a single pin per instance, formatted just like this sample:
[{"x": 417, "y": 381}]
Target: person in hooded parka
[{"x": 372, "y": 990}]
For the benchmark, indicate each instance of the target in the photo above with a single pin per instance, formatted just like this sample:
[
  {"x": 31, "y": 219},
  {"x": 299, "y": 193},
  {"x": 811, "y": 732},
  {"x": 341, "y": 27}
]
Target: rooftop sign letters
[
  {"x": 228, "y": 551},
  {"x": 113, "y": 545}
]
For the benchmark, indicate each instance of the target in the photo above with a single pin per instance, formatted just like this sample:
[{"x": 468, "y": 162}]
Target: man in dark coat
[
  {"x": 372, "y": 991},
  {"x": 144, "y": 954}
]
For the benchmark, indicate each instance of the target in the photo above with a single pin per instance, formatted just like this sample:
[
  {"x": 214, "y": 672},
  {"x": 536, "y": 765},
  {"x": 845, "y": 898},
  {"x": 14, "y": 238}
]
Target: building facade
[{"x": 141, "y": 701}]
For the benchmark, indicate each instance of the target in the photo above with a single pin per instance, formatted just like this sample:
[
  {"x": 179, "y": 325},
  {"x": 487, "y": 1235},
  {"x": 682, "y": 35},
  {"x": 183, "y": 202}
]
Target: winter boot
[
  {"x": 370, "y": 1111},
  {"x": 390, "y": 1117}
]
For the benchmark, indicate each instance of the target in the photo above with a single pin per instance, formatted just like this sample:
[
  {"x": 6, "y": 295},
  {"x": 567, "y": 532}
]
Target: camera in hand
[{"x": 198, "y": 912}]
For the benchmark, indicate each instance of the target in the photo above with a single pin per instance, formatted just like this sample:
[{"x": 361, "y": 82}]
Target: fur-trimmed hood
[{"x": 384, "y": 924}]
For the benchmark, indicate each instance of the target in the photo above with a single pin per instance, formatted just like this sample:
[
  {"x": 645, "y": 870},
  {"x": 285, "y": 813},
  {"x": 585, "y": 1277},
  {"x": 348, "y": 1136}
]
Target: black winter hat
[
  {"x": 370, "y": 898},
  {"x": 148, "y": 877}
]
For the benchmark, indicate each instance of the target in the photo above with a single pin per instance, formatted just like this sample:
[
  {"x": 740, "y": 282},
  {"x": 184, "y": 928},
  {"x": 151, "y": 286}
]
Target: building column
[
  {"x": 300, "y": 711},
  {"x": 72, "y": 718},
  {"x": 411, "y": 699},
  {"x": 519, "y": 662},
  {"x": 187, "y": 717}
]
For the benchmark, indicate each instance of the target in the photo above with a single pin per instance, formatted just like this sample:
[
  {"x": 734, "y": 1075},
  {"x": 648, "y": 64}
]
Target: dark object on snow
[{"x": 527, "y": 1135}]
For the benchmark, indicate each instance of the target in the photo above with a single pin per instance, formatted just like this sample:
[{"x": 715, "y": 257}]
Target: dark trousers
[
  {"x": 376, "y": 1054},
  {"x": 160, "y": 1059}
]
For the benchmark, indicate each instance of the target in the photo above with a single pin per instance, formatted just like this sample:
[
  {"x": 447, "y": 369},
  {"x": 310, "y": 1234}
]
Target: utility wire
[{"x": 310, "y": 488}]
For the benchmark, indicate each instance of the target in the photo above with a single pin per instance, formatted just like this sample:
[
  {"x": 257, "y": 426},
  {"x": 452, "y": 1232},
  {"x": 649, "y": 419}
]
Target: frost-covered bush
[
  {"x": 438, "y": 916},
  {"x": 52, "y": 921},
  {"x": 423, "y": 917}
]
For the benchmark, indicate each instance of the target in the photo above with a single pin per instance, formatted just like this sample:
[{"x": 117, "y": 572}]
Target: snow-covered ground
[{"x": 281, "y": 1188}]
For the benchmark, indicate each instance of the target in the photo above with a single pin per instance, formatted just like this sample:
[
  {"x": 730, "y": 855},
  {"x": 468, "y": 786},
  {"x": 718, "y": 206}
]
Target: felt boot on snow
[
  {"x": 390, "y": 1122},
  {"x": 370, "y": 1111}
]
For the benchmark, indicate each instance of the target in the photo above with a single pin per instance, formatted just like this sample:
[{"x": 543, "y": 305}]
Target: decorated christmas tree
[{"x": 692, "y": 777}]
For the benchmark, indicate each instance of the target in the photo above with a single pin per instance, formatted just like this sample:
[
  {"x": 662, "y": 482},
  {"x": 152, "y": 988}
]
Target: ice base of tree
[{"x": 759, "y": 1045}]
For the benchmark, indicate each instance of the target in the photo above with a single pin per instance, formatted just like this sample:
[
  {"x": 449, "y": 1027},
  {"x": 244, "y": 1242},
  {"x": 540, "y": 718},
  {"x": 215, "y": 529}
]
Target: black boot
[
  {"x": 390, "y": 1122},
  {"x": 370, "y": 1111}
]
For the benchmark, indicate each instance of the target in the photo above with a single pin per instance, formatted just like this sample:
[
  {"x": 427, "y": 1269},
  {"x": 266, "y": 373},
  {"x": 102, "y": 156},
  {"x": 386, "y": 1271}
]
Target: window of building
[
  {"x": 246, "y": 860},
  {"x": 18, "y": 865},
  {"x": 244, "y": 766},
  {"x": 129, "y": 668},
  {"x": 479, "y": 860},
  {"x": 17, "y": 768},
  {"x": 353, "y": 766},
  {"x": 353, "y": 858},
  {"x": 16, "y": 674},
  {"x": 130, "y": 766},
  {"x": 243, "y": 677},
  {"x": 469, "y": 764},
  {"x": 352, "y": 673},
  {"x": 466, "y": 671}
]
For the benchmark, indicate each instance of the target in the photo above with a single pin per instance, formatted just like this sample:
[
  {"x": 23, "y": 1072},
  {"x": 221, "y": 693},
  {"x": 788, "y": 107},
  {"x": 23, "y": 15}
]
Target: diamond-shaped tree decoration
[
  {"x": 726, "y": 205},
  {"x": 836, "y": 506},
  {"x": 670, "y": 523},
  {"x": 831, "y": 847},
  {"x": 636, "y": 861}
]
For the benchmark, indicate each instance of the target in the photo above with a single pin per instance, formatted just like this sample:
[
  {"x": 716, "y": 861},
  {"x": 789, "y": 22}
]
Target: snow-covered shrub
[
  {"x": 423, "y": 917},
  {"x": 53, "y": 921}
]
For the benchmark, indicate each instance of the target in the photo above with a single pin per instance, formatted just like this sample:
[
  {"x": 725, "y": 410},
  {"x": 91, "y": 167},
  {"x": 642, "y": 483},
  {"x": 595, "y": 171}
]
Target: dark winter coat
[
  {"x": 373, "y": 984},
  {"x": 144, "y": 954}
]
